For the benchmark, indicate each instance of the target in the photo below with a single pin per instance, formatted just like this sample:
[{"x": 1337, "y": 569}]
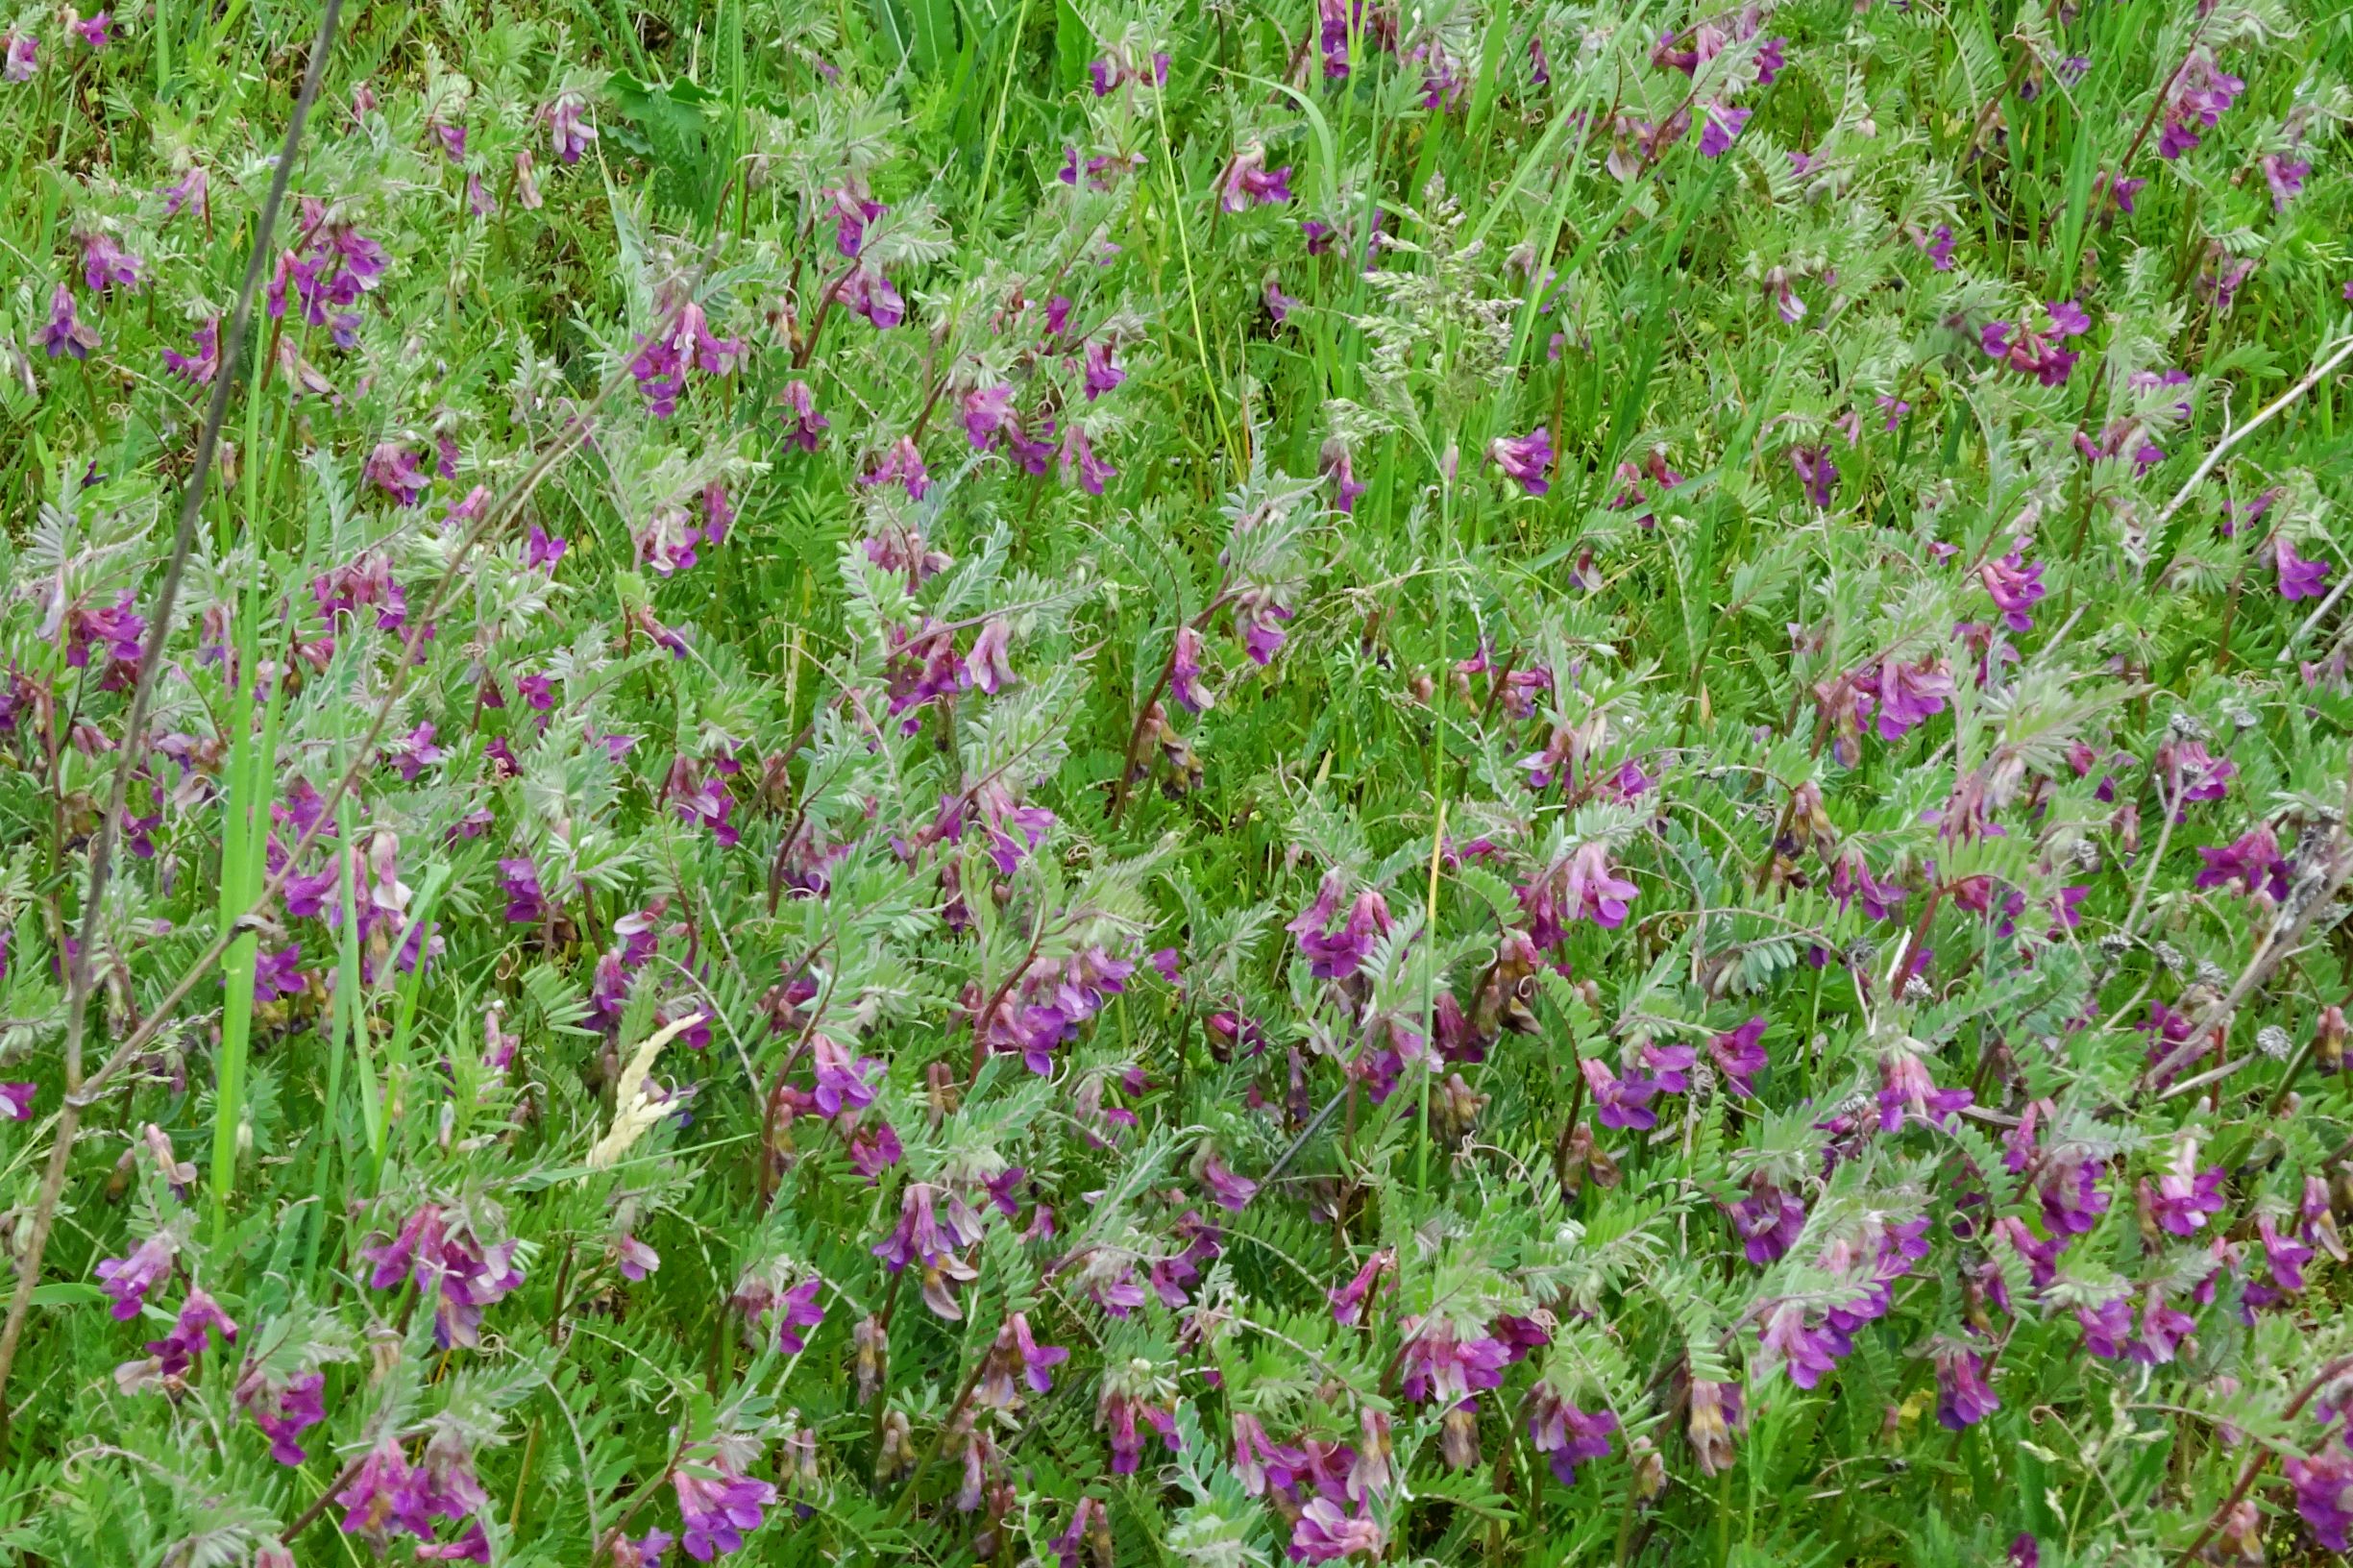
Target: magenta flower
[
  {"x": 22, "y": 53},
  {"x": 1348, "y": 1300},
  {"x": 903, "y": 465},
  {"x": 1103, "y": 375},
  {"x": 1619, "y": 1102},
  {"x": 1338, "y": 955},
  {"x": 394, "y": 468},
  {"x": 1018, "y": 1354},
  {"x": 1093, "y": 471},
  {"x": 1185, "y": 673},
  {"x": 1439, "y": 1367},
  {"x": 2253, "y": 861},
  {"x": 803, "y": 424},
  {"x": 934, "y": 1227},
  {"x": 987, "y": 411},
  {"x": 190, "y": 192},
  {"x": 410, "y": 754},
  {"x": 1905, "y": 1088},
  {"x": 2016, "y": 587},
  {"x": 107, "y": 265},
  {"x": 1816, "y": 470},
  {"x": 197, "y": 369},
  {"x": 191, "y": 1334},
  {"x": 540, "y": 552},
  {"x": 283, "y": 1413},
  {"x": 1337, "y": 465},
  {"x": 718, "y": 1504},
  {"x": 127, "y": 1280},
  {"x": 1567, "y": 1435},
  {"x": 1323, "y": 1533},
  {"x": 1769, "y": 1222},
  {"x": 2298, "y": 579},
  {"x": 65, "y": 333},
  {"x": 1594, "y": 891},
  {"x": 1524, "y": 458},
  {"x": 2202, "y": 93},
  {"x": 1963, "y": 1397},
  {"x": 569, "y": 132},
  {"x": 1809, "y": 1350},
  {"x": 2324, "y": 1493},
  {"x": 1229, "y": 1191},
  {"x": 1722, "y": 128},
  {"x": 16, "y": 1101},
  {"x": 869, "y": 293},
  {"x": 377, "y": 1498},
  {"x": 1740, "y": 1055},
  {"x": 2180, "y": 1202},
  {"x": 1248, "y": 183},
  {"x": 844, "y": 1082},
  {"x": 2107, "y": 1329}
]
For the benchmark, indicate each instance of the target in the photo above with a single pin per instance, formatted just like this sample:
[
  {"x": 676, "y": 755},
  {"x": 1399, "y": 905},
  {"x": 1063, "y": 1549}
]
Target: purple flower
[
  {"x": 280, "y": 974},
  {"x": 844, "y": 1082},
  {"x": 127, "y": 1280},
  {"x": 716, "y": 1502},
  {"x": 2202, "y": 92},
  {"x": 2072, "y": 1201},
  {"x": 191, "y": 1334},
  {"x": 2284, "y": 1255},
  {"x": 16, "y": 1101},
  {"x": 1185, "y": 672},
  {"x": 2284, "y": 175},
  {"x": 1524, "y": 458},
  {"x": 394, "y": 468},
  {"x": 1348, "y": 1300},
  {"x": 803, "y": 424},
  {"x": 199, "y": 368},
  {"x": 283, "y": 1413},
  {"x": 1594, "y": 891},
  {"x": 1809, "y": 1350},
  {"x": 1905, "y": 1086},
  {"x": 1722, "y": 128},
  {"x": 1440, "y": 1367},
  {"x": 2253, "y": 861},
  {"x": 1740, "y": 1055},
  {"x": 1814, "y": 468},
  {"x": 797, "y": 1309},
  {"x": 2324, "y": 1493},
  {"x": 1337, "y": 465},
  {"x": 1248, "y": 182},
  {"x": 190, "y": 192},
  {"x": 410, "y": 754},
  {"x": 1102, "y": 373},
  {"x": 107, "y": 265},
  {"x": 22, "y": 53},
  {"x": 1229, "y": 1191},
  {"x": 1323, "y": 1533},
  {"x": 900, "y": 464},
  {"x": 66, "y": 334},
  {"x": 541, "y": 551},
  {"x": 1567, "y": 1435},
  {"x": 2016, "y": 588},
  {"x": 2298, "y": 579},
  {"x": 2107, "y": 1329},
  {"x": 1093, "y": 471},
  {"x": 1769, "y": 1222},
  {"x": 1939, "y": 245},
  {"x": 1018, "y": 1354},
  {"x": 569, "y": 132},
  {"x": 2180, "y": 1202},
  {"x": 525, "y": 903},
  {"x": 934, "y": 1227},
  {"x": 377, "y": 1498},
  {"x": 1619, "y": 1102},
  {"x": 1963, "y": 1397},
  {"x": 1338, "y": 955},
  {"x": 987, "y": 411}
]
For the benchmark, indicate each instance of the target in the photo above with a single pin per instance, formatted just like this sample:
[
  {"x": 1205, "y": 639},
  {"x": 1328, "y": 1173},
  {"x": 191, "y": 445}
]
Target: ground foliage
[{"x": 1020, "y": 781}]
